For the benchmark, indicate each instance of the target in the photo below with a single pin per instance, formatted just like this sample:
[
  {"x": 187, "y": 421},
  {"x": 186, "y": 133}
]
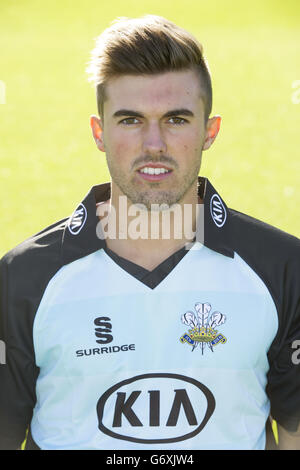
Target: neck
[{"x": 148, "y": 237}]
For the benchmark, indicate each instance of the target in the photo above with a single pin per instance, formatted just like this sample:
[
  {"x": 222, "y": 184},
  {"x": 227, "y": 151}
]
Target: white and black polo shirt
[{"x": 103, "y": 354}]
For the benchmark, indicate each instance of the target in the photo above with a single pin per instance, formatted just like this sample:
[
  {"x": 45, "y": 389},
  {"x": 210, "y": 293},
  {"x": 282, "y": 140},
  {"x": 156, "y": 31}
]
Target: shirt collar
[{"x": 80, "y": 233}]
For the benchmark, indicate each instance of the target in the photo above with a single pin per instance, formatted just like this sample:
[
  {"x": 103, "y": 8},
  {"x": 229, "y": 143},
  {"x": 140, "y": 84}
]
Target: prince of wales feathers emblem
[{"x": 203, "y": 326}]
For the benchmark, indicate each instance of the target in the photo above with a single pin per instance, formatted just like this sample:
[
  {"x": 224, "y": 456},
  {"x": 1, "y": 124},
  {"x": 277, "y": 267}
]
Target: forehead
[{"x": 154, "y": 93}]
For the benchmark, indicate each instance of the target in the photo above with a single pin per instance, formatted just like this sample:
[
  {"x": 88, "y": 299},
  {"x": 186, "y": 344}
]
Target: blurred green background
[{"x": 48, "y": 160}]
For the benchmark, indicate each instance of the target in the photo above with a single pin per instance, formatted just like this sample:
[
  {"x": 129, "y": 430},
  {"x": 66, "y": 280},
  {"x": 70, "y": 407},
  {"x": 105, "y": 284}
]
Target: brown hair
[{"x": 143, "y": 46}]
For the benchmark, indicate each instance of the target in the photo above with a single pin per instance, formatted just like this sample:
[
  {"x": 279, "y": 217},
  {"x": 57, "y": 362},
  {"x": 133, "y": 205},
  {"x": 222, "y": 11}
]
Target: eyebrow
[{"x": 173, "y": 112}]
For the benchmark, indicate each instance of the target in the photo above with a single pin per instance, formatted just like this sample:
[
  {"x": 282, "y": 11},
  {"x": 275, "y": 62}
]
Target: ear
[
  {"x": 212, "y": 130},
  {"x": 97, "y": 129}
]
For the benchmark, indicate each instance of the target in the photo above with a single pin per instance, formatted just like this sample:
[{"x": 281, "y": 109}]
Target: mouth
[{"x": 154, "y": 172}]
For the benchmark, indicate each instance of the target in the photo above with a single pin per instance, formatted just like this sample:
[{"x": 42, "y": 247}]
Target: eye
[
  {"x": 128, "y": 121},
  {"x": 179, "y": 120}
]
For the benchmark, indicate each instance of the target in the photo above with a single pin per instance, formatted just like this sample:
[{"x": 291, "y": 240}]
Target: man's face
[{"x": 153, "y": 136}]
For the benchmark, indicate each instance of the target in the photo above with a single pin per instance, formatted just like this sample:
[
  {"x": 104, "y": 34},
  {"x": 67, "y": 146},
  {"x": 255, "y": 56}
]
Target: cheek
[
  {"x": 190, "y": 143},
  {"x": 116, "y": 143},
  {"x": 190, "y": 150},
  {"x": 120, "y": 150}
]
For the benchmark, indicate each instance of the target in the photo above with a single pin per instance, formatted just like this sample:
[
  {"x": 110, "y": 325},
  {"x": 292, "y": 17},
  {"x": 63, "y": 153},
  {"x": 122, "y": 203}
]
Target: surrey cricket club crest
[{"x": 203, "y": 327}]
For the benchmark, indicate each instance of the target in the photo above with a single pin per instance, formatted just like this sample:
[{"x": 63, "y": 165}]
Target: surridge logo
[
  {"x": 203, "y": 327},
  {"x": 78, "y": 219},
  {"x": 103, "y": 331},
  {"x": 218, "y": 211},
  {"x": 155, "y": 408},
  {"x": 104, "y": 334}
]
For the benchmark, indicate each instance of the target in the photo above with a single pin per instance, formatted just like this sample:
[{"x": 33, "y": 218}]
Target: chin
[{"x": 163, "y": 198}]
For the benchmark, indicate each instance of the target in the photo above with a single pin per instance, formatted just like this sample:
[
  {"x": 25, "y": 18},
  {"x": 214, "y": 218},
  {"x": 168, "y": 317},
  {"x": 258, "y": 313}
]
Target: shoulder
[
  {"x": 35, "y": 258},
  {"x": 275, "y": 257},
  {"x": 257, "y": 238}
]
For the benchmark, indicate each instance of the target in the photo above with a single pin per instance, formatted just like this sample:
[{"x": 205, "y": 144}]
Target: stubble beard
[{"x": 154, "y": 196}]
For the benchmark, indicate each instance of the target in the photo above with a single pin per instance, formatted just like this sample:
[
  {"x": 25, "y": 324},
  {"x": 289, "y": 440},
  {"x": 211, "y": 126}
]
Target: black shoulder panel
[
  {"x": 275, "y": 256},
  {"x": 24, "y": 274}
]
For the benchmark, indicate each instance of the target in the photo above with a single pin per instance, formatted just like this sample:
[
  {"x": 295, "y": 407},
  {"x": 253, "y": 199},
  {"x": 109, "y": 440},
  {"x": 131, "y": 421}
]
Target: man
[{"x": 154, "y": 317}]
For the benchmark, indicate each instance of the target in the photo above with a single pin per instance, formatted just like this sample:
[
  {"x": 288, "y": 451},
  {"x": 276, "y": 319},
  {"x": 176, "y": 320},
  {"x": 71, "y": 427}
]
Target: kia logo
[
  {"x": 155, "y": 409},
  {"x": 217, "y": 210},
  {"x": 78, "y": 219}
]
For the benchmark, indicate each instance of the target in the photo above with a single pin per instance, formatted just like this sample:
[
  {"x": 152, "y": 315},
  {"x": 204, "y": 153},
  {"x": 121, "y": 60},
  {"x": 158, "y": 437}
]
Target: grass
[{"x": 48, "y": 160}]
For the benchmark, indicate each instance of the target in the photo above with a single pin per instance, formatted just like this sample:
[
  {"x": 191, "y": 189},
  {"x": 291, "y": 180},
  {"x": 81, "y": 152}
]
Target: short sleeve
[
  {"x": 18, "y": 372},
  {"x": 283, "y": 387}
]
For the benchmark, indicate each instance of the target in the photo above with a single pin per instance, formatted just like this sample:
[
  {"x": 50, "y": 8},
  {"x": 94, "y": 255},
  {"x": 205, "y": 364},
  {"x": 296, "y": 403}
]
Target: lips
[{"x": 154, "y": 172}]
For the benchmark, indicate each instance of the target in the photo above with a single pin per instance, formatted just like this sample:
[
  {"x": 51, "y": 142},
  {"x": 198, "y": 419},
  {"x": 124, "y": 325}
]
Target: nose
[{"x": 153, "y": 140}]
